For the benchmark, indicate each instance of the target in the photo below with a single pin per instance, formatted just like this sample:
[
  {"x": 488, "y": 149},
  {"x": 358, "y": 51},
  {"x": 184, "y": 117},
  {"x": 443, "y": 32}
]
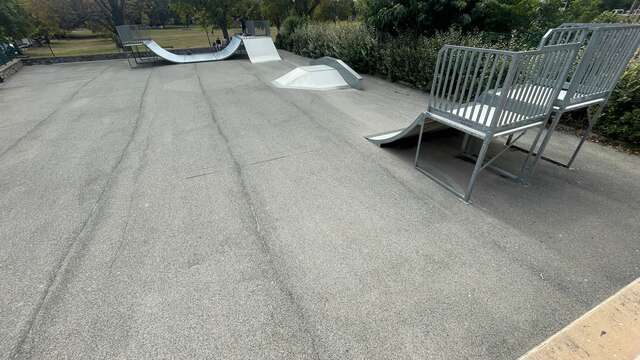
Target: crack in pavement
[
  {"x": 137, "y": 173},
  {"x": 68, "y": 253},
  {"x": 284, "y": 288}
]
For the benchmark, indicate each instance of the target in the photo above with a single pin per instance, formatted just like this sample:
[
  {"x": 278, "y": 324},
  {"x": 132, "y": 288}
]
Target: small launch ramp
[
  {"x": 391, "y": 138},
  {"x": 326, "y": 73},
  {"x": 348, "y": 74},
  {"x": 223, "y": 54},
  {"x": 315, "y": 77}
]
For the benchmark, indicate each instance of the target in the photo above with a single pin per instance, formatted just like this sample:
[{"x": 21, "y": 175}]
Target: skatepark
[{"x": 197, "y": 210}]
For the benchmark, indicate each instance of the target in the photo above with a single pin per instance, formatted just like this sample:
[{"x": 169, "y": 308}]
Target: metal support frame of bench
[
  {"x": 607, "y": 49},
  {"x": 131, "y": 40},
  {"x": 492, "y": 93}
]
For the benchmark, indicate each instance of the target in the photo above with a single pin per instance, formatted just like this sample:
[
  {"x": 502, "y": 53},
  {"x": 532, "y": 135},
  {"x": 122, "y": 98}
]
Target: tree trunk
[
  {"x": 208, "y": 39},
  {"x": 222, "y": 24},
  {"x": 225, "y": 31},
  {"x": 117, "y": 12}
]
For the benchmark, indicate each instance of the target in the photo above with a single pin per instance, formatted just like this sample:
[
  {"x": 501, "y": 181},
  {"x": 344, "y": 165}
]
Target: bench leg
[
  {"x": 531, "y": 163},
  {"x": 465, "y": 144},
  {"x": 415, "y": 160},
  {"x": 585, "y": 134},
  {"x": 476, "y": 170},
  {"x": 524, "y": 175},
  {"x": 479, "y": 166}
]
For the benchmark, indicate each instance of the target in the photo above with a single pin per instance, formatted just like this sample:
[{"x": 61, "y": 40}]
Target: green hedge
[
  {"x": 621, "y": 119},
  {"x": 411, "y": 59}
]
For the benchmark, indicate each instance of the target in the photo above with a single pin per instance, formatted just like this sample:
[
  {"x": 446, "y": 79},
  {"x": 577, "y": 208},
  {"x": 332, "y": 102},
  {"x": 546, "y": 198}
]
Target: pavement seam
[
  {"x": 257, "y": 230},
  {"x": 51, "y": 114},
  {"x": 60, "y": 266}
]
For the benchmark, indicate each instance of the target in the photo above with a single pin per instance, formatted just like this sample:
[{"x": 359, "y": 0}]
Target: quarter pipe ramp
[
  {"x": 259, "y": 48},
  {"x": 225, "y": 53}
]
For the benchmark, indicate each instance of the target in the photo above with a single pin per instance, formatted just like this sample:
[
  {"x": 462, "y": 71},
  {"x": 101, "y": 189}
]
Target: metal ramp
[
  {"x": 223, "y": 54},
  {"x": 390, "y": 138},
  {"x": 315, "y": 77},
  {"x": 260, "y": 49},
  {"x": 143, "y": 49}
]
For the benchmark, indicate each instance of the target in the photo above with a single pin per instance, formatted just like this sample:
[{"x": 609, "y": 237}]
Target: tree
[
  {"x": 583, "y": 10},
  {"x": 276, "y": 10},
  {"x": 183, "y": 11},
  {"x": 111, "y": 14},
  {"x": 212, "y": 12},
  {"x": 55, "y": 16},
  {"x": 305, "y": 7},
  {"x": 221, "y": 12},
  {"x": 333, "y": 10},
  {"x": 14, "y": 21},
  {"x": 503, "y": 16},
  {"x": 588, "y": 10},
  {"x": 413, "y": 16},
  {"x": 158, "y": 12}
]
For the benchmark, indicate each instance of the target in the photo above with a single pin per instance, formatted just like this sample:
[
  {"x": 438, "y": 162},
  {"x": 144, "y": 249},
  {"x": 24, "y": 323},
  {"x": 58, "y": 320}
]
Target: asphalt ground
[{"x": 195, "y": 211}]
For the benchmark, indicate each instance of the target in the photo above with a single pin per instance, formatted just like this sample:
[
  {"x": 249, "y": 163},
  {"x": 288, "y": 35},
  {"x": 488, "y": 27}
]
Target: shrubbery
[
  {"x": 411, "y": 59},
  {"x": 408, "y": 58},
  {"x": 350, "y": 42},
  {"x": 621, "y": 120}
]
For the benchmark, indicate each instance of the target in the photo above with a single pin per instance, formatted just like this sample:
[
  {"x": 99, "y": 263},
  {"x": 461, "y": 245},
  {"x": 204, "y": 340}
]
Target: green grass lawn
[
  {"x": 71, "y": 47},
  {"x": 84, "y": 42}
]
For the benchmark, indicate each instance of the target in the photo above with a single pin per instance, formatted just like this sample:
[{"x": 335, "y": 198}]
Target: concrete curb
[
  {"x": 10, "y": 68},
  {"x": 609, "y": 331},
  {"x": 99, "y": 57}
]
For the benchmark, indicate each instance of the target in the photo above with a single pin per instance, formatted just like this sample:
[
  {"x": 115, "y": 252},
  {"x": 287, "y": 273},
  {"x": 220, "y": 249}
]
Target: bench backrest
[
  {"x": 607, "y": 49},
  {"x": 607, "y": 54},
  {"x": 495, "y": 90},
  {"x": 130, "y": 34}
]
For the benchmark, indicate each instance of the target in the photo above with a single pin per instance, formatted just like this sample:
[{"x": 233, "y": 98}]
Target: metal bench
[
  {"x": 606, "y": 51},
  {"x": 491, "y": 93},
  {"x": 132, "y": 41}
]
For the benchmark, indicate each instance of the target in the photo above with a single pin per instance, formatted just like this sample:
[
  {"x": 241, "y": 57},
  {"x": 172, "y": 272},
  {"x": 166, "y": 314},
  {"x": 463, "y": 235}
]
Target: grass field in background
[{"x": 84, "y": 42}]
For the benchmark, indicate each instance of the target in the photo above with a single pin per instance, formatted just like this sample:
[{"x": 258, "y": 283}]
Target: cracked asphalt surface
[{"x": 194, "y": 211}]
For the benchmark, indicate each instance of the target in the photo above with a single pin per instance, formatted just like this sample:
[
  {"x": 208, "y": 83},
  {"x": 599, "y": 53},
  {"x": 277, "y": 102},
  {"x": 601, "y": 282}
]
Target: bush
[
  {"x": 411, "y": 59},
  {"x": 288, "y": 28},
  {"x": 408, "y": 58},
  {"x": 621, "y": 120},
  {"x": 419, "y": 17},
  {"x": 351, "y": 42}
]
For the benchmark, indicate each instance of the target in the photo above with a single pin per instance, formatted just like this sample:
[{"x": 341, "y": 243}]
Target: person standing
[{"x": 243, "y": 24}]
